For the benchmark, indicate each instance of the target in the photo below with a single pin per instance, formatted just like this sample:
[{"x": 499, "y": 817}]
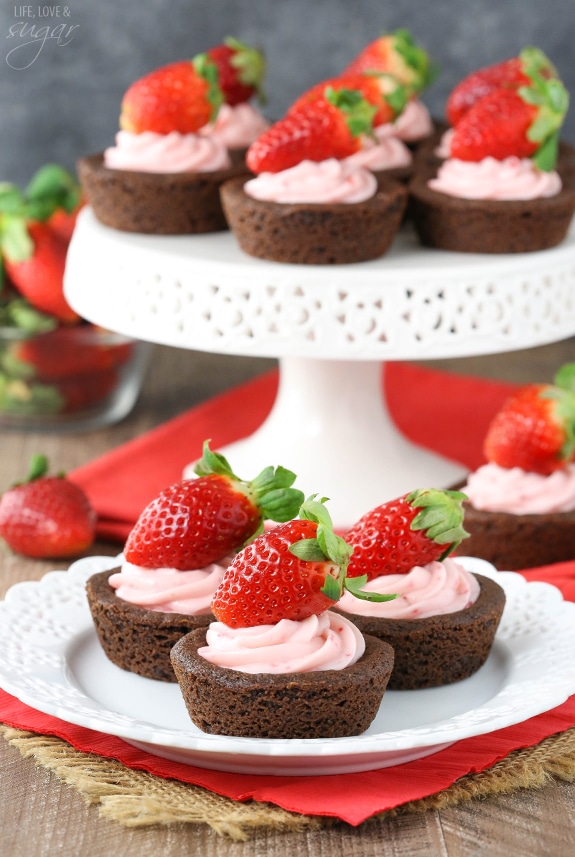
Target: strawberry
[
  {"x": 398, "y": 54},
  {"x": 330, "y": 127},
  {"x": 379, "y": 89},
  {"x": 63, "y": 353},
  {"x": 509, "y": 74},
  {"x": 85, "y": 391},
  {"x": 240, "y": 69},
  {"x": 293, "y": 571},
  {"x": 183, "y": 96},
  {"x": 414, "y": 529},
  {"x": 199, "y": 521},
  {"x": 46, "y": 517},
  {"x": 521, "y": 122},
  {"x": 63, "y": 222},
  {"x": 34, "y": 254},
  {"x": 535, "y": 428},
  {"x": 34, "y": 260}
]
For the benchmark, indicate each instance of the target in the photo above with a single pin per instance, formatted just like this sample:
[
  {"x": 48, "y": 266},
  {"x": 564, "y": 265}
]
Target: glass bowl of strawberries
[
  {"x": 80, "y": 377},
  {"x": 57, "y": 371}
]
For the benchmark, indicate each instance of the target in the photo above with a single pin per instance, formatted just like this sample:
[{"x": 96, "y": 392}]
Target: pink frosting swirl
[
  {"x": 314, "y": 182},
  {"x": 168, "y": 590},
  {"x": 511, "y": 178},
  {"x": 513, "y": 490},
  {"x": 166, "y": 153},
  {"x": 430, "y": 590},
  {"x": 387, "y": 154},
  {"x": 324, "y": 642},
  {"x": 237, "y": 126},
  {"x": 443, "y": 149},
  {"x": 413, "y": 123}
]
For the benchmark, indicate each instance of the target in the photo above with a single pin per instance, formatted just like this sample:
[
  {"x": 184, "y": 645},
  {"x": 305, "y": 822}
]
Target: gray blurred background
[{"x": 64, "y": 71}]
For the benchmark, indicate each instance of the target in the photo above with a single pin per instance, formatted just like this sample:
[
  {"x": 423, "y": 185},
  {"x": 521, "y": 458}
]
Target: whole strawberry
[
  {"x": 381, "y": 90},
  {"x": 523, "y": 123},
  {"x": 509, "y": 74},
  {"x": 183, "y": 96},
  {"x": 199, "y": 521},
  {"x": 34, "y": 260},
  {"x": 535, "y": 428},
  {"x": 330, "y": 127},
  {"x": 241, "y": 70},
  {"x": 293, "y": 571},
  {"x": 398, "y": 54},
  {"x": 46, "y": 517},
  {"x": 417, "y": 528}
]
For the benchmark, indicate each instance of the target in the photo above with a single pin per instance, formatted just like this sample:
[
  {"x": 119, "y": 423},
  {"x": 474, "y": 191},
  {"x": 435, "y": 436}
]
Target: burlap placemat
[{"x": 138, "y": 799}]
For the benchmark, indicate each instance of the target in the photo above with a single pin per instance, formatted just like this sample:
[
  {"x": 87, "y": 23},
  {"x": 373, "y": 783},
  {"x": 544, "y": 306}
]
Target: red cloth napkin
[{"x": 444, "y": 412}]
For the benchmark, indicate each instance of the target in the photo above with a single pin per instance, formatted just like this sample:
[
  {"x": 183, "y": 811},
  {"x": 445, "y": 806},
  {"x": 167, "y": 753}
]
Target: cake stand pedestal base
[{"x": 330, "y": 425}]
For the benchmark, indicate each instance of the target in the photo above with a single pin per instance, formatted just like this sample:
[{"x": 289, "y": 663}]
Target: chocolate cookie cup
[
  {"x": 313, "y": 233},
  {"x": 515, "y": 542},
  {"x": 439, "y": 650},
  {"x": 133, "y": 638},
  {"x": 184, "y": 203},
  {"x": 323, "y": 704},
  {"x": 488, "y": 226}
]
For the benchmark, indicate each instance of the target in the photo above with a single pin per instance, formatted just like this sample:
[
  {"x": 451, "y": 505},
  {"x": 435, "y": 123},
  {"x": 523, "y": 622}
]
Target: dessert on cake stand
[{"x": 332, "y": 330}]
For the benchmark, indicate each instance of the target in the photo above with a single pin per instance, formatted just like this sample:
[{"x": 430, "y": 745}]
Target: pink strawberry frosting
[
  {"x": 166, "y": 153},
  {"x": 443, "y": 149},
  {"x": 168, "y": 590},
  {"x": 430, "y": 590},
  {"x": 237, "y": 126},
  {"x": 387, "y": 154},
  {"x": 511, "y": 178},
  {"x": 413, "y": 123},
  {"x": 324, "y": 642},
  {"x": 330, "y": 181},
  {"x": 513, "y": 490}
]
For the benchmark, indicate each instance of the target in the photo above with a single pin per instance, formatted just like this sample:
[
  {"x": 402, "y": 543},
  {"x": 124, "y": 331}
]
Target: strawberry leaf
[
  {"x": 331, "y": 588},
  {"x": 358, "y": 112},
  {"x": 53, "y": 187},
  {"x": 213, "y": 462},
  {"x": 308, "y": 550},
  {"x": 11, "y": 199},
  {"x": 545, "y": 158},
  {"x": 534, "y": 60},
  {"x": 355, "y": 585},
  {"x": 416, "y": 58},
  {"x": 441, "y": 515},
  {"x": 565, "y": 377},
  {"x": 19, "y": 313},
  {"x": 249, "y": 63},
  {"x": 38, "y": 467},
  {"x": 15, "y": 241},
  {"x": 207, "y": 69}
]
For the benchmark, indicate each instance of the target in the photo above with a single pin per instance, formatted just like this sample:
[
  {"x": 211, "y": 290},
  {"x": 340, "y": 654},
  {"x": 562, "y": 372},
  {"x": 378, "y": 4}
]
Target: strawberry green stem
[
  {"x": 271, "y": 490},
  {"x": 38, "y": 467},
  {"x": 416, "y": 58},
  {"x": 441, "y": 516},
  {"x": 250, "y": 65},
  {"x": 562, "y": 394},
  {"x": 207, "y": 69},
  {"x": 326, "y": 547},
  {"x": 551, "y": 100},
  {"x": 358, "y": 112}
]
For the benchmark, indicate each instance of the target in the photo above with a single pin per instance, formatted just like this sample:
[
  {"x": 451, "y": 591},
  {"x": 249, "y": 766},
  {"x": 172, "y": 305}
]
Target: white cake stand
[{"x": 332, "y": 329}]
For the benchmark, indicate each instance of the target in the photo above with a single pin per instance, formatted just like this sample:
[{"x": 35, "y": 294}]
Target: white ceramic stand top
[{"x": 331, "y": 327}]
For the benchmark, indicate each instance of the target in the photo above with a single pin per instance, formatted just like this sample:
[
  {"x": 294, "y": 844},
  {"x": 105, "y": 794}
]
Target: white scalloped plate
[{"x": 52, "y": 661}]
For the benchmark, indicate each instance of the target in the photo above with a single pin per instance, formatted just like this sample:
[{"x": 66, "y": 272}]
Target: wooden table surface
[{"x": 41, "y": 817}]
